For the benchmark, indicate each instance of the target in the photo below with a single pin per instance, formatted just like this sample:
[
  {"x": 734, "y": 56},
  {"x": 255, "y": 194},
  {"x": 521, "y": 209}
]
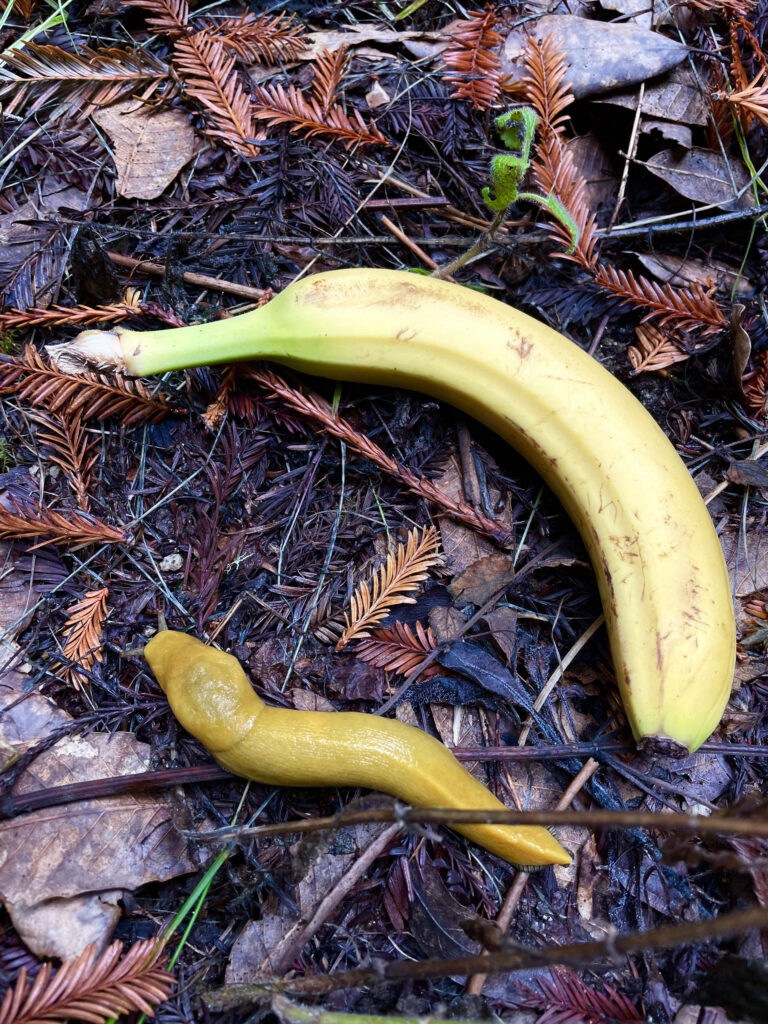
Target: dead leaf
[
  {"x": 748, "y": 473},
  {"x": 262, "y": 946},
  {"x": 597, "y": 166},
  {"x": 483, "y": 578},
  {"x": 39, "y": 244},
  {"x": 64, "y": 869},
  {"x": 747, "y": 560},
  {"x": 436, "y": 917},
  {"x": 151, "y": 147},
  {"x": 704, "y": 176},
  {"x": 741, "y": 346},
  {"x": 677, "y": 98},
  {"x": 600, "y": 56},
  {"x": 687, "y": 271}
]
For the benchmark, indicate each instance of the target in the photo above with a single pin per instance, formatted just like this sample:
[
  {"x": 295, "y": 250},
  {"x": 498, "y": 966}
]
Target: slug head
[{"x": 207, "y": 689}]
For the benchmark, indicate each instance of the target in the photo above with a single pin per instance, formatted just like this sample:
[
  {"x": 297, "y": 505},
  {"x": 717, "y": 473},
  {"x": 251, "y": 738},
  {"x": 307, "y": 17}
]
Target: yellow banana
[
  {"x": 210, "y": 695},
  {"x": 660, "y": 569}
]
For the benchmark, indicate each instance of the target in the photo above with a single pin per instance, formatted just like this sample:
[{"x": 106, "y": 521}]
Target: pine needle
[{"x": 393, "y": 583}]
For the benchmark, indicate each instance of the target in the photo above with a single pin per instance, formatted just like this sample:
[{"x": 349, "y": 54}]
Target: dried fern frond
[
  {"x": 393, "y": 583},
  {"x": 33, "y": 520},
  {"x": 32, "y": 379},
  {"x": 23, "y": 8},
  {"x": 91, "y": 988},
  {"x": 654, "y": 350},
  {"x": 545, "y": 88},
  {"x": 57, "y": 316},
  {"x": 473, "y": 63},
  {"x": 686, "y": 309},
  {"x": 276, "y": 106},
  {"x": 83, "y": 634},
  {"x": 753, "y": 99},
  {"x": 397, "y": 648},
  {"x": 330, "y": 69},
  {"x": 68, "y": 446},
  {"x": 171, "y": 17},
  {"x": 261, "y": 38},
  {"x": 209, "y": 76},
  {"x": 755, "y": 385},
  {"x": 92, "y": 78}
]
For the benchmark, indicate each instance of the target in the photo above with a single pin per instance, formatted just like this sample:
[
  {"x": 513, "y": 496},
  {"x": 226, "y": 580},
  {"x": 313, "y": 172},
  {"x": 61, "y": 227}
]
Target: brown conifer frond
[
  {"x": 23, "y": 8},
  {"x": 92, "y": 988},
  {"x": 755, "y": 385},
  {"x": 171, "y": 17},
  {"x": 92, "y": 78},
  {"x": 544, "y": 83},
  {"x": 686, "y": 309},
  {"x": 752, "y": 100},
  {"x": 83, "y": 634},
  {"x": 330, "y": 69},
  {"x": 654, "y": 350},
  {"x": 316, "y": 408},
  {"x": 33, "y": 520},
  {"x": 261, "y": 38},
  {"x": 554, "y": 172},
  {"x": 473, "y": 63},
  {"x": 397, "y": 648},
  {"x": 209, "y": 76},
  {"x": 393, "y": 583},
  {"x": 30, "y": 378},
  {"x": 57, "y": 316},
  {"x": 276, "y": 106},
  {"x": 68, "y": 446}
]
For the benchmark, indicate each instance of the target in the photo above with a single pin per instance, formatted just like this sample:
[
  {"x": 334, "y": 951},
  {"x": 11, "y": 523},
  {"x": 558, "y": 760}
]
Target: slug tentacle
[{"x": 210, "y": 695}]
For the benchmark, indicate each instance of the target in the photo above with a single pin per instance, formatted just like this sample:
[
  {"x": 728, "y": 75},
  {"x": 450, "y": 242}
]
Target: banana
[{"x": 660, "y": 569}]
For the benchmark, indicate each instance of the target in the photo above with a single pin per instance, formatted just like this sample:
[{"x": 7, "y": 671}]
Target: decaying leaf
[
  {"x": 150, "y": 146},
  {"x": 704, "y": 176}
]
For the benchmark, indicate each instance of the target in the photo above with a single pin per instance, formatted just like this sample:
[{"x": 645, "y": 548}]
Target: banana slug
[{"x": 212, "y": 698}]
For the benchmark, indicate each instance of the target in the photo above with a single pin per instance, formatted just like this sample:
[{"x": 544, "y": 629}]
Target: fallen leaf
[
  {"x": 686, "y": 271},
  {"x": 64, "y": 869},
  {"x": 704, "y": 176},
  {"x": 748, "y": 473},
  {"x": 600, "y": 56},
  {"x": 38, "y": 248},
  {"x": 151, "y": 147},
  {"x": 747, "y": 560},
  {"x": 482, "y": 579},
  {"x": 677, "y": 97}
]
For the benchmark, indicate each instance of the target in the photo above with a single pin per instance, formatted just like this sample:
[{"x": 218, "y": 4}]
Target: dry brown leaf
[
  {"x": 95, "y": 850},
  {"x": 150, "y": 146},
  {"x": 704, "y": 176}
]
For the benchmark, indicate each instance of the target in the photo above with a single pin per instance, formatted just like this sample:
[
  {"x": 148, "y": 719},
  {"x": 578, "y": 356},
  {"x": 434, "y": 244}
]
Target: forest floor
[{"x": 360, "y": 547}]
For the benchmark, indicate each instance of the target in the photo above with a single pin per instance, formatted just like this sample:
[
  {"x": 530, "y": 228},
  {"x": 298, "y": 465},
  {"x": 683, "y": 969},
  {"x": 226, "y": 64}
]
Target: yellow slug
[{"x": 212, "y": 698}]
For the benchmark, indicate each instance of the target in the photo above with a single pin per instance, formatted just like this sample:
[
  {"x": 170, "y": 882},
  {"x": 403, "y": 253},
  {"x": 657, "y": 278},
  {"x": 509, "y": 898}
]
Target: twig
[
  {"x": 511, "y": 900},
  {"x": 202, "y": 280},
  {"x": 576, "y": 954}
]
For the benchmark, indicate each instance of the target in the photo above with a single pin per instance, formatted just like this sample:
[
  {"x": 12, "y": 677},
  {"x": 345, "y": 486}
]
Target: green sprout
[{"x": 517, "y": 128}]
